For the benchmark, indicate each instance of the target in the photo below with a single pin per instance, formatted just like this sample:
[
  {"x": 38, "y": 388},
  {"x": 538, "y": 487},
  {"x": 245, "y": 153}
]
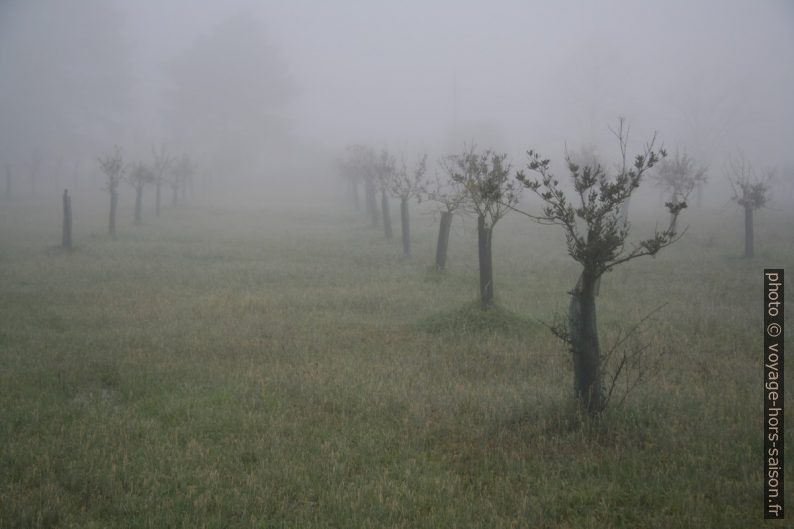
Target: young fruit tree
[
  {"x": 407, "y": 186},
  {"x": 161, "y": 166},
  {"x": 449, "y": 195},
  {"x": 597, "y": 239},
  {"x": 490, "y": 195},
  {"x": 386, "y": 170},
  {"x": 140, "y": 174},
  {"x": 751, "y": 192},
  {"x": 113, "y": 169},
  {"x": 678, "y": 176}
]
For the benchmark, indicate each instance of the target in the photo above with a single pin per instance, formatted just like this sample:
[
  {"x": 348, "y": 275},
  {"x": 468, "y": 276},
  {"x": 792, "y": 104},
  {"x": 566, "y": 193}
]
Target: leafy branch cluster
[
  {"x": 679, "y": 175},
  {"x": 484, "y": 177},
  {"x": 141, "y": 174},
  {"x": 112, "y": 166},
  {"x": 406, "y": 184},
  {"x": 600, "y": 244}
]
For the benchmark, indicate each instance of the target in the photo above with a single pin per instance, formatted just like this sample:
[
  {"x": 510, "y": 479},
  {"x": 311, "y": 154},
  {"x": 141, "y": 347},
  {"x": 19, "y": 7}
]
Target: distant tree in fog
[
  {"x": 490, "y": 195},
  {"x": 408, "y": 185},
  {"x": 386, "y": 170},
  {"x": 597, "y": 239},
  {"x": 360, "y": 166},
  {"x": 161, "y": 166},
  {"x": 750, "y": 191},
  {"x": 139, "y": 175},
  {"x": 679, "y": 176},
  {"x": 449, "y": 194},
  {"x": 350, "y": 175},
  {"x": 181, "y": 173},
  {"x": 112, "y": 167}
]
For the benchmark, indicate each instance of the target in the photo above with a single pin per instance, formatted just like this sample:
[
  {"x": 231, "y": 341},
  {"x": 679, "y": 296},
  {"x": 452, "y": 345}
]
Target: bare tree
[
  {"x": 597, "y": 239},
  {"x": 490, "y": 195},
  {"x": 449, "y": 195},
  {"x": 678, "y": 176},
  {"x": 113, "y": 168},
  {"x": 408, "y": 186},
  {"x": 162, "y": 165},
  {"x": 140, "y": 175},
  {"x": 750, "y": 191}
]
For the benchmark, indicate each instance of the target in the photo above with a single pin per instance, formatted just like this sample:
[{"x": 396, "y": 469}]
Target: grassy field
[{"x": 284, "y": 366}]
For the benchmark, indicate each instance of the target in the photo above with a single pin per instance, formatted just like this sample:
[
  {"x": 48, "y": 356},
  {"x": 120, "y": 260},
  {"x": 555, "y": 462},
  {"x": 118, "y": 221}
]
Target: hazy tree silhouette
[
  {"x": 751, "y": 192},
  {"x": 678, "y": 176},
  {"x": 385, "y": 169},
  {"x": 162, "y": 164},
  {"x": 408, "y": 185},
  {"x": 139, "y": 175},
  {"x": 113, "y": 168}
]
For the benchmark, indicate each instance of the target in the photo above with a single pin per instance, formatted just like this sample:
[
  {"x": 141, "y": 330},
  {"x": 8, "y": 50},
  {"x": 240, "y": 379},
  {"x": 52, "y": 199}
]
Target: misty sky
[{"x": 711, "y": 77}]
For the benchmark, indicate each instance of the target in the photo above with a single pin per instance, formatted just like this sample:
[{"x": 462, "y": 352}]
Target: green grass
[{"x": 286, "y": 367}]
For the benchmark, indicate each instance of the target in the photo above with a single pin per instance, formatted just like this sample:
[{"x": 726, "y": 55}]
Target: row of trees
[
  {"x": 593, "y": 217},
  {"x": 164, "y": 169}
]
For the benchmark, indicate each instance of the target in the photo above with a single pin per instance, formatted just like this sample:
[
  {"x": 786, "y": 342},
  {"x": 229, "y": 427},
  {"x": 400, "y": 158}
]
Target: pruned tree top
[
  {"x": 409, "y": 184},
  {"x": 112, "y": 165},
  {"x": 163, "y": 161},
  {"x": 140, "y": 174},
  {"x": 448, "y": 193},
  {"x": 485, "y": 178},
  {"x": 385, "y": 169},
  {"x": 595, "y": 232},
  {"x": 749, "y": 189},
  {"x": 679, "y": 175},
  {"x": 359, "y": 162},
  {"x": 182, "y": 170}
]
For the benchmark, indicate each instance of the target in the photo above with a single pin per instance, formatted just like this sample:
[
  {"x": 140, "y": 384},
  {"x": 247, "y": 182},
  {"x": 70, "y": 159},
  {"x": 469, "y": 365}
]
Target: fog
[{"x": 271, "y": 92}]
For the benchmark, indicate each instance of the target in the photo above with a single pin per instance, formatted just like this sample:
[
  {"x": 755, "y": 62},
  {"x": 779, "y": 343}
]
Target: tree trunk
[
  {"x": 372, "y": 206},
  {"x": 114, "y": 200},
  {"x": 405, "y": 226},
  {"x": 66, "y": 241},
  {"x": 484, "y": 238},
  {"x": 583, "y": 334},
  {"x": 384, "y": 206},
  {"x": 8, "y": 182},
  {"x": 174, "y": 191},
  {"x": 138, "y": 201},
  {"x": 157, "y": 199},
  {"x": 443, "y": 239},
  {"x": 748, "y": 232},
  {"x": 184, "y": 191}
]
